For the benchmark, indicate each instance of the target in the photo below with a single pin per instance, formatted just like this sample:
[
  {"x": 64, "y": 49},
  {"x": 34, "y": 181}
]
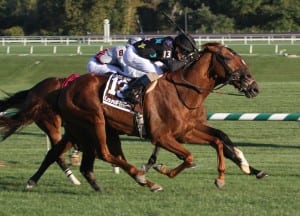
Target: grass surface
[{"x": 271, "y": 146}]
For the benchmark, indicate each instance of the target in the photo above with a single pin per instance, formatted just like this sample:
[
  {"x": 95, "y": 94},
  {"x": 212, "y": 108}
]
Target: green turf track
[{"x": 271, "y": 146}]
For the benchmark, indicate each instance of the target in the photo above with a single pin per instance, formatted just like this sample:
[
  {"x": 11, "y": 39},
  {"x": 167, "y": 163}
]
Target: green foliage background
[{"x": 67, "y": 17}]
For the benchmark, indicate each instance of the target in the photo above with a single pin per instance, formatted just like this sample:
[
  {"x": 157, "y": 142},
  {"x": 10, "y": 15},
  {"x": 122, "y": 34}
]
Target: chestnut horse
[
  {"x": 33, "y": 105},
  {"x": 172, "y": 110},
  {"x": 28, "y": 107}
]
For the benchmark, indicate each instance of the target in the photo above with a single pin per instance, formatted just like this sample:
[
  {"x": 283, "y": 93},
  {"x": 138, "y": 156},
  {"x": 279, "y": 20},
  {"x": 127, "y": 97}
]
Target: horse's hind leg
[
  {"x": 114, "y": 146},
  {"x": 236, "y": 155},
  {"x": 50, "y": 158},
  {"x": 86, "y": 169},
  {"x": 114, "y": 143},
  {"x": 53, "y": 129}
]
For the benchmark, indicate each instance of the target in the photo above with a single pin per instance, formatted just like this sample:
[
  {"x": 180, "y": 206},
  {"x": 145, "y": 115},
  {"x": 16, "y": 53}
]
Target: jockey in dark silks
[{"x": 141, "y": 61}]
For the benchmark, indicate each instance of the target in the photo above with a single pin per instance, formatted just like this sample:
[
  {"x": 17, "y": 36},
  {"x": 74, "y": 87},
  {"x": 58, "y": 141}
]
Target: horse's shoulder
[{"x": 151, "y": 86}]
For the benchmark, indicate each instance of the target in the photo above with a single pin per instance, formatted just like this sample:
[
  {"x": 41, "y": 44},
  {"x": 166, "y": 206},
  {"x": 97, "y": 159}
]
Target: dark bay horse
[
  {"x": 172, "y": 113},
  {"x": 28, "y": 107}
]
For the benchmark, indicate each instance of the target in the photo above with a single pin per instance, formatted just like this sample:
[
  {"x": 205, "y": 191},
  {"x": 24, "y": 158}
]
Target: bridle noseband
[{"x": 230, "y": 75}]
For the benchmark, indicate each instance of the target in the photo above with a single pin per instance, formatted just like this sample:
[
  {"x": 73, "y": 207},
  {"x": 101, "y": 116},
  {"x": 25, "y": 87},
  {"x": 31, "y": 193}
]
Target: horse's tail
[
  {"x": 13, "y": 101},
  {"x": 25, "y": 114},
  {"x": 10, "y": 123}
]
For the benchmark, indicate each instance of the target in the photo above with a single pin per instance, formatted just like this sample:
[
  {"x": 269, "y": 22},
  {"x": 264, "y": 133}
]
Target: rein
[
  {"x": 229, "y": 74},
  {"x": 198, "y": 89}
]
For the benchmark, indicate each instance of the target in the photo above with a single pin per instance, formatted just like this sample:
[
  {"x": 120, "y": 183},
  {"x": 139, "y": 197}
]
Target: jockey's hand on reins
[{"x": 193, "y": 56}]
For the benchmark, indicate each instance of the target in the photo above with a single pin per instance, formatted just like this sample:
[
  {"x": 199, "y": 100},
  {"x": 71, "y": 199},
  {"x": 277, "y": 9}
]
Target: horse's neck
[
  {"x": 199, "y": 73},
  {"x": 193, "y": 84}
]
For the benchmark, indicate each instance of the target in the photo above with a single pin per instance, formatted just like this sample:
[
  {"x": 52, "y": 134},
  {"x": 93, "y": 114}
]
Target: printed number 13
[{"x": 167, "y": 54}]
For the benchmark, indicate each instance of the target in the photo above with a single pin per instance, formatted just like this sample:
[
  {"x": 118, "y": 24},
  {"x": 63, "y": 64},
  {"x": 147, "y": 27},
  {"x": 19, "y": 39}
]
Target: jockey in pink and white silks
[
  {"x": 109, "y": 59},
  {"x": 141, "y": 60}
]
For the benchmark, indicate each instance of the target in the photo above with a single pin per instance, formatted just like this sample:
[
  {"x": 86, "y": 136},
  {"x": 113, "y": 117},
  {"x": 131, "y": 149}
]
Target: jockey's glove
[{"x": 193, "y": 56}]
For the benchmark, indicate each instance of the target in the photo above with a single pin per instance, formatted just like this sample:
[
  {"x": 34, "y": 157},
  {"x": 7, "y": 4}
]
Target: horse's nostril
[{"x": 256, "y": 90}]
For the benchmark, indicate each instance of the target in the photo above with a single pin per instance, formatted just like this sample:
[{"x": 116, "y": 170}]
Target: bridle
[{"x": 230, "y": 75}]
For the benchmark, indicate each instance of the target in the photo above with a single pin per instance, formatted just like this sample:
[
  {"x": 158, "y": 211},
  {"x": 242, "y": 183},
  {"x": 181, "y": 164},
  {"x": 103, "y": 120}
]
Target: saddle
[
  {"x": 70, "y": 79},
  {"x": 114, "y": 84}
]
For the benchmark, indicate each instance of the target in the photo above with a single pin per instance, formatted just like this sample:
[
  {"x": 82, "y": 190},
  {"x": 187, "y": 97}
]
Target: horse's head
[{"x": 234, "y": 69}]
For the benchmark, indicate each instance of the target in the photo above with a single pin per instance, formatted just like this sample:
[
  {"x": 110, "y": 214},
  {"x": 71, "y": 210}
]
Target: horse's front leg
[
  {"x": 152, "y": 159},
  {"x": 229, "y": 149},
  {"x": 203, "y": 135},
  {"x": 168, "y": 142},
  {"x": 106, "y": 152}
]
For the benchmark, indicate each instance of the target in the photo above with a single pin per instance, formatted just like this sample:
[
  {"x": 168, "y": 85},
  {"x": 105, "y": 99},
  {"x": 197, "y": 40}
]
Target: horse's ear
[
  {"x": 213, "y": 47},
  {"x": 205, "y": 47}
]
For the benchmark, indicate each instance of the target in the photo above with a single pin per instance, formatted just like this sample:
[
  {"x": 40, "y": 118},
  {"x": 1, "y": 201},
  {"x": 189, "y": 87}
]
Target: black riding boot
[{"x": 135, "y": 88}]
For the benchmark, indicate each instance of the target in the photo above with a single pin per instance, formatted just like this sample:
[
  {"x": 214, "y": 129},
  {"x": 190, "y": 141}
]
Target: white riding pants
[
  {"x": 137, "y": 66},
  {"x": 95, "y": 67}
]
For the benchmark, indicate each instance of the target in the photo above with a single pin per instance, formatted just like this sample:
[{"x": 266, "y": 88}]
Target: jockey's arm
[{"x": 104, "y": 56}]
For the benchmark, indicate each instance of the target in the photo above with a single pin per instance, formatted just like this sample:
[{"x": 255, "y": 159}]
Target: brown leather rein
[{"x": 230, "y": 75}]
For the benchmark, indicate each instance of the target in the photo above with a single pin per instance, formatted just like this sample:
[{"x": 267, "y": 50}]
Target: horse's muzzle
[{"x": 249, "y": 87}]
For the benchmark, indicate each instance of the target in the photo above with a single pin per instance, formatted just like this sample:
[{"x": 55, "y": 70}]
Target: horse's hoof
[
  {"x": 161, "y": 168},
  {"x": 156, "y": 188},
  {"x": 96, "y": 187},
  {"x": 261, "y": 174},
  {"x": 220, "y": 184},
  {"x": 193, "y": 165},
  {"x": 141, "y": 179},
  {"x": 30, "y": 184},
  {"x": 74, "y": 180}
]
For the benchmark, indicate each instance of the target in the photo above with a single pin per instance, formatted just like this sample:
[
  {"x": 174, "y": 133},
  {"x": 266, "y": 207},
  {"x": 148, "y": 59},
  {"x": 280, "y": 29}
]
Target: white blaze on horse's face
[
  {"x": 243, "y": 62},
  {"x": 241, "y": 77}
]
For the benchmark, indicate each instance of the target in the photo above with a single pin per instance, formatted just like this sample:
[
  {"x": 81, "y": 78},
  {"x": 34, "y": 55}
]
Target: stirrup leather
[{"x": 139, "y": 119}]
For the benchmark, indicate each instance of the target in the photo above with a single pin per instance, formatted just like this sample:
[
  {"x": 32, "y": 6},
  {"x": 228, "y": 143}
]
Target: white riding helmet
[{"x": 132, "y": 40}]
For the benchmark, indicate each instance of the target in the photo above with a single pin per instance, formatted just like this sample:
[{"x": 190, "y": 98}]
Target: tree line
[{"x": 81, "y": 17}]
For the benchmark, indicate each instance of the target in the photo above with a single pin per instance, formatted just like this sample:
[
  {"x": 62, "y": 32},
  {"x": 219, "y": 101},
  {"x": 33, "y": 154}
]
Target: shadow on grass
[
  {"x": 18, "y": 184},
  {"x": 21, "y": 133},
  {"x": 267, "y": 145}
]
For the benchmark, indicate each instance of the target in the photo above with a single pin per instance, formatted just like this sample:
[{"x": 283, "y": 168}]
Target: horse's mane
[{"x": 209, "y": 44}]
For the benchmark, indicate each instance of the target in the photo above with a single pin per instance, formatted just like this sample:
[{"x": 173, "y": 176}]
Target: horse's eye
[{"x": 248, "y": 76}]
